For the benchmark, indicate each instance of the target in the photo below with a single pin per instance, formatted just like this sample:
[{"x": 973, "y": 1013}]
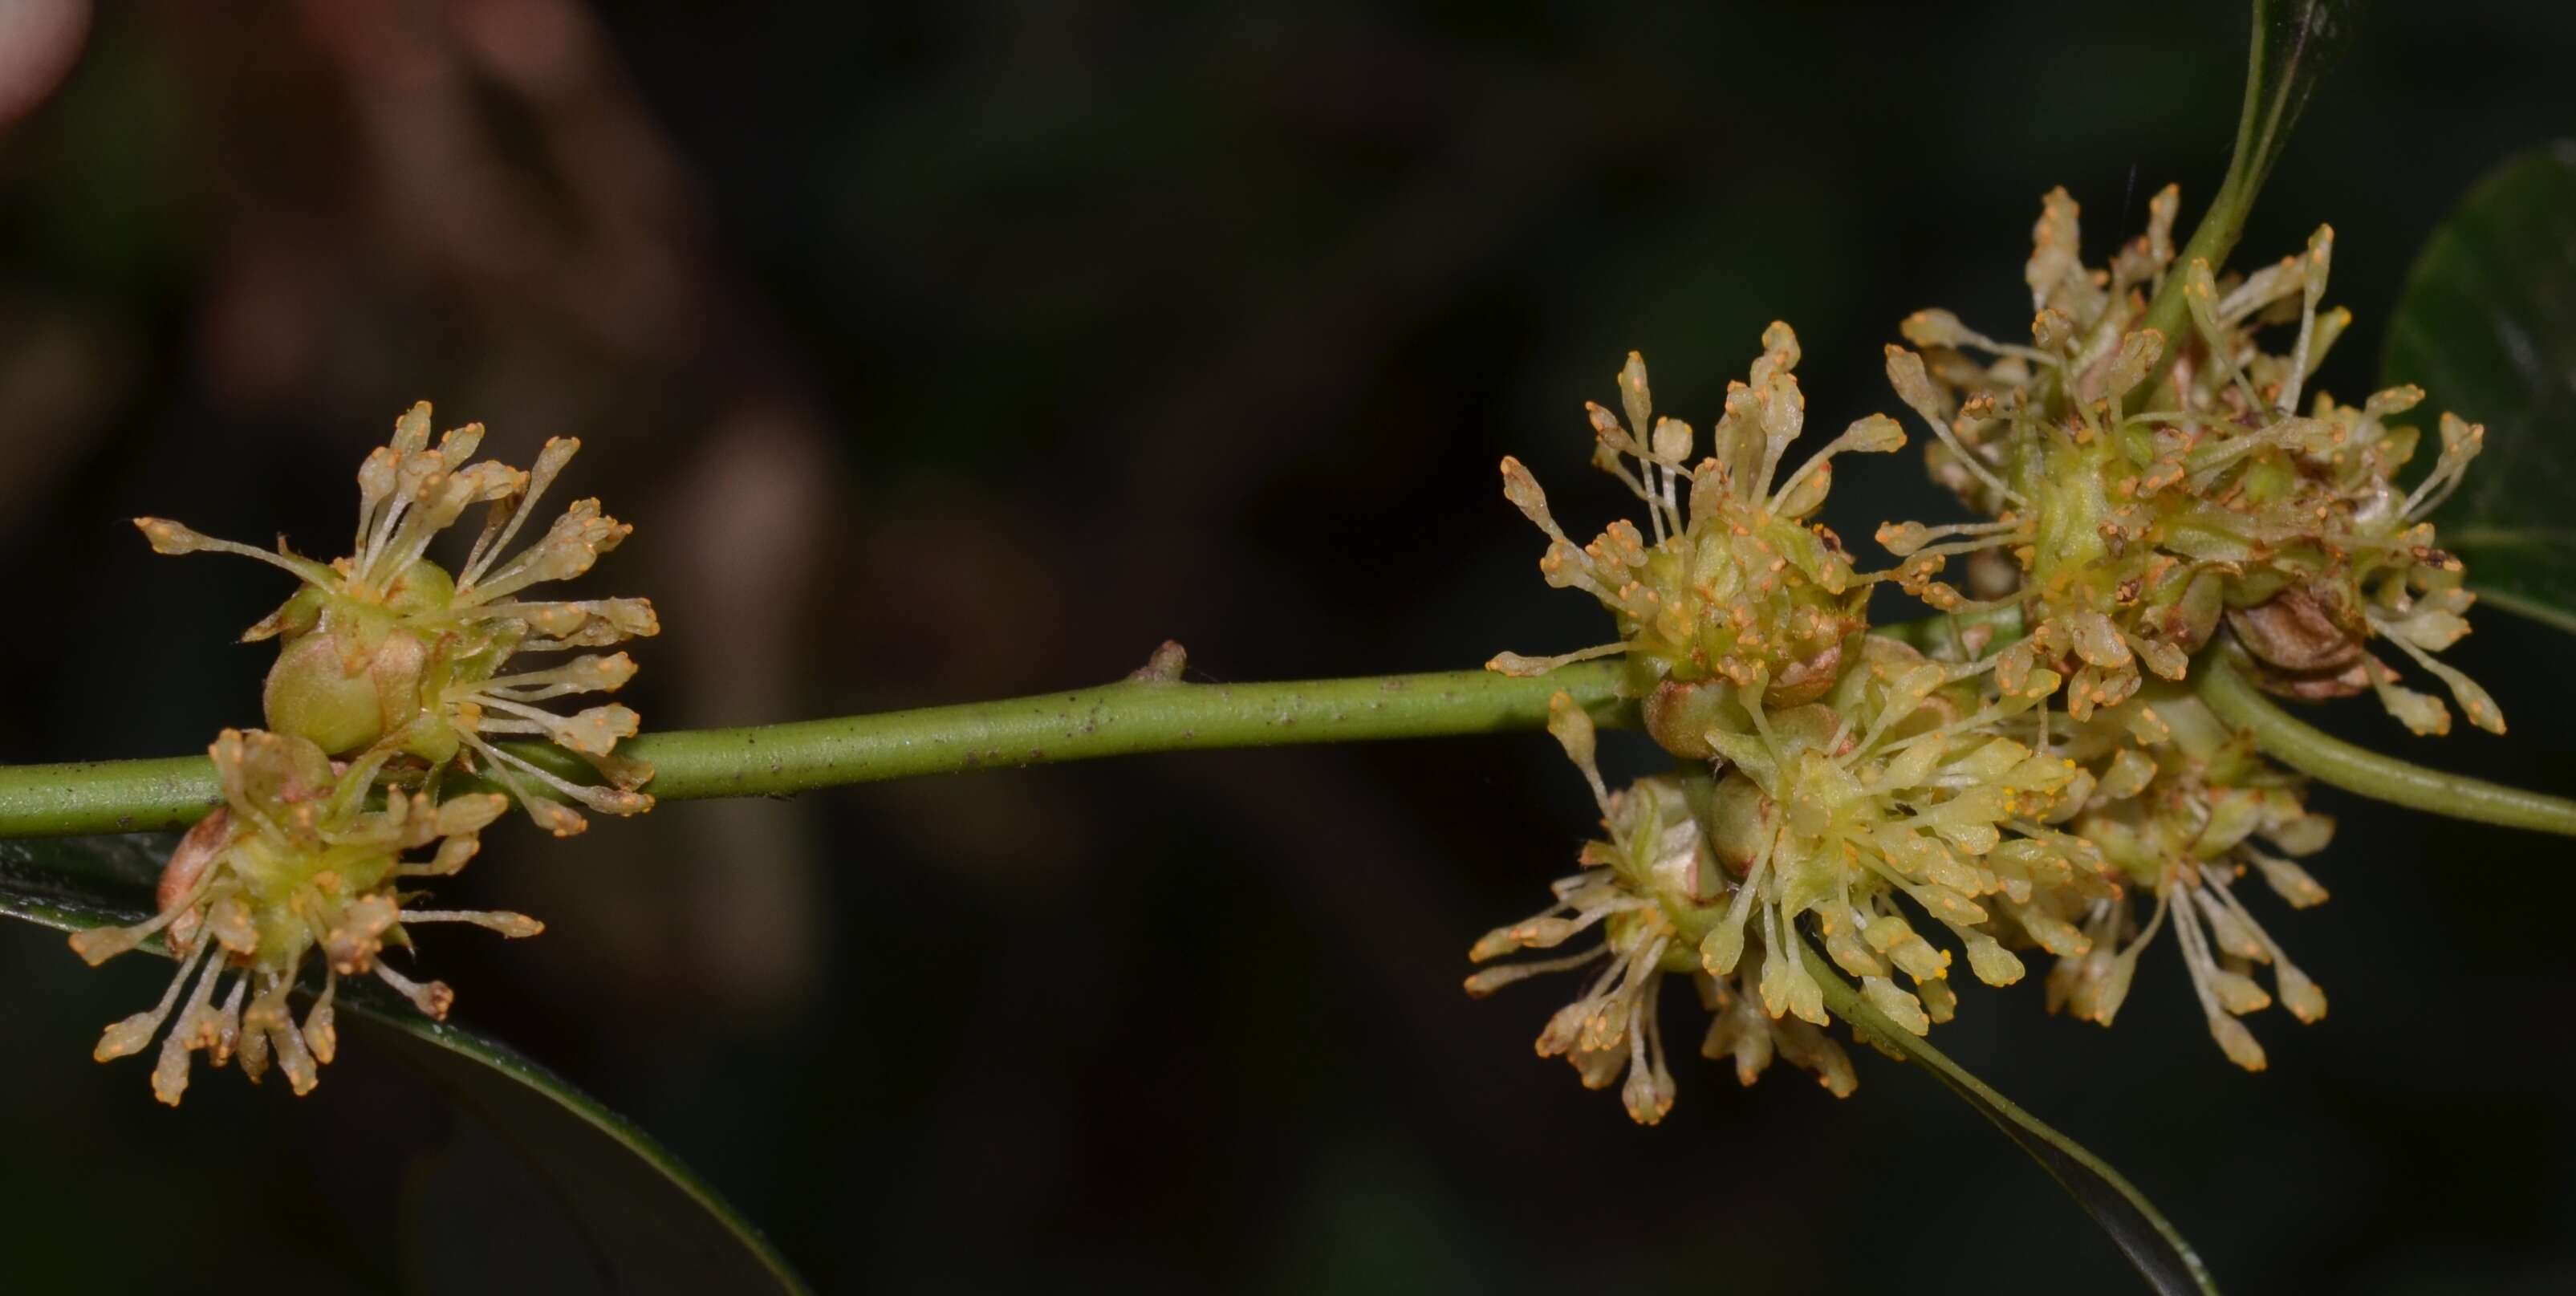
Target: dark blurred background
[{"x": 955, "y": 351}]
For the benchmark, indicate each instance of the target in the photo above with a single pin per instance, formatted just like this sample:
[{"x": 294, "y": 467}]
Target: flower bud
[
  {"x": 342, "y": 692},
  {"x": 2302, "y": 631},
  {"x": 1679, "y": 716}
]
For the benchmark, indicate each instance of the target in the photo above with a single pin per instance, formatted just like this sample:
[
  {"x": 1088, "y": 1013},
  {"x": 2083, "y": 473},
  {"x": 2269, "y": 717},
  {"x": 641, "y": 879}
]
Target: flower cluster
[
  {"x": 295, "y": 861},
  {"x": 2182, "y": 818},
  {"x": 1657, "y": 891},
  {"x": 1900, "y": 784},
  {"x": 384, "y": 652},
  {"x": 391, "y": 672},
  {"x": 1893, "y": 806},
  {"x": 1743, "y": 588},
  {"x": 1851, "y": 806},
  {"x": 2142, "y": 487}
]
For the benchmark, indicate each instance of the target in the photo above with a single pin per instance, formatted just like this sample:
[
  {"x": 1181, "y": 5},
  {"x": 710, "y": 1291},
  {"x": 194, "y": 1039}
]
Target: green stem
[
  {"x": 2169, "y": 314},
  {"x": 1118, "y": 719},
  {"x": 106, "y": 796},
  {"x": 2285, "y": 738},
  {"x": 2258, "y": 126},
  {"x": 1946, "y": 636}
]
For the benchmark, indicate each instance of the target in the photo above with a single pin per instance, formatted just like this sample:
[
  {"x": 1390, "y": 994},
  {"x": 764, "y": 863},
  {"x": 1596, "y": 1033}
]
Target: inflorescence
[
  {"x": 2040, "y": 780},
  {"x": 2036, "y": 779},
  {"x": 393, "y": 681}
]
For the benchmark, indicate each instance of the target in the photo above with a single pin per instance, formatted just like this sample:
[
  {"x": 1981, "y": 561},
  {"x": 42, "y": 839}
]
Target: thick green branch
[
  {"x": 2329, "y": 759},
  {"x": 771, "y": 760}
]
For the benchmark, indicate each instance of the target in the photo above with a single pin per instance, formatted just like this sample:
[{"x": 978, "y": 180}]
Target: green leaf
[
  {"x": 2296, "y": 42},
  {"x": 2487, "y": 327},
  {"x": 2160, "y": 1255},
  {"x": 639, "y": 1220}
]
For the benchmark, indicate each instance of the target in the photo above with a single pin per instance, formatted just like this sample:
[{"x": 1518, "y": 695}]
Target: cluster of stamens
[
  {"x": 1742, "y": 586},
  {"x": 391, "y": 676},
  {"x": 2181, "y": 810},
  {"x": 383, "y": 652},
  {"x": 296, "y": 862},
  {"x": 1849, "y": 804},
  {"x": 2142, "y": 488}
]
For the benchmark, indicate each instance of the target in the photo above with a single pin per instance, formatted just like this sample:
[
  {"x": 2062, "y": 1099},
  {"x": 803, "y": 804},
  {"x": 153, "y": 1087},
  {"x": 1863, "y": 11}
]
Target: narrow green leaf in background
[
  {"x": 2296, "y": 42},
  {"x": 614, "y": 1205},
  {"x": 2487, "y": 327},
  {"x": 2153, "y": 1246}
]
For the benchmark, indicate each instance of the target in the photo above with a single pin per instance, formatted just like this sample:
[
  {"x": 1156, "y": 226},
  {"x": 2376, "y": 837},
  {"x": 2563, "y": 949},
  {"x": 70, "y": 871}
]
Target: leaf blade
[
  {"x": 2296, "y": 43},
  {"x": 2150, "y": 1243},
  {"x": 661, "y": 1227},
  {"x": 2486, "y": 325}
]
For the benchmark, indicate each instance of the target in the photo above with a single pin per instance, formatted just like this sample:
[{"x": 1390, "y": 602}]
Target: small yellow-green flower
[
  {"x": 1892, "y": 801},
  {"x": 2131, "y": 522},
  {"x": 293, "y": 863},
  {"x": 385, "y": 653},
  {"x": 2182, "y": 819},
  {"x": 1743, "y": 587},
  {"x": 1895, "y": 799},
  {"x": 2363, "y": 566},
  {"x": 1652, "y": 889}
]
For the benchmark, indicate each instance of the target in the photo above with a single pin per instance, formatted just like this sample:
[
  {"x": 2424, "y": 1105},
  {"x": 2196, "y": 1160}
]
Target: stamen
[
  {"x": 452, "y": 855},
  {"x": 99, "y": 944},
  {"x": 513, "y": 925},
  {"x": 595, "y": 731},
  {"x": 2313, "y": 267},
  {"x": 2124, "y": 966},
  {"x": 2233, "y": 1039},
  {"x": 1723, "y": 947},
  {"x": 276, "y": 1027},
  {"x": 168, "y": 537},
  {"x": 453, "y": 492},
  {"x": 130, "y": 1035},
  {"x": 550, "y": 461},
  {"x": 1903, "y": 698},
  {"x": 170, "y": 1073},
  {"x": 1520, "y": 667},
  {"x": 432, "y": 998},
  {"x": 587, "y": 674},
  {"x": 551, "y": 815},
  {"x": 1488, "y": 980},
  {"x": 1914, "y": 386},
  {"x": 321, "y": 1030},
  {"x": 2298, "y": 994},
  {"x": 1571, "y": 726},
  {"x": 571, "y": 545}
]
